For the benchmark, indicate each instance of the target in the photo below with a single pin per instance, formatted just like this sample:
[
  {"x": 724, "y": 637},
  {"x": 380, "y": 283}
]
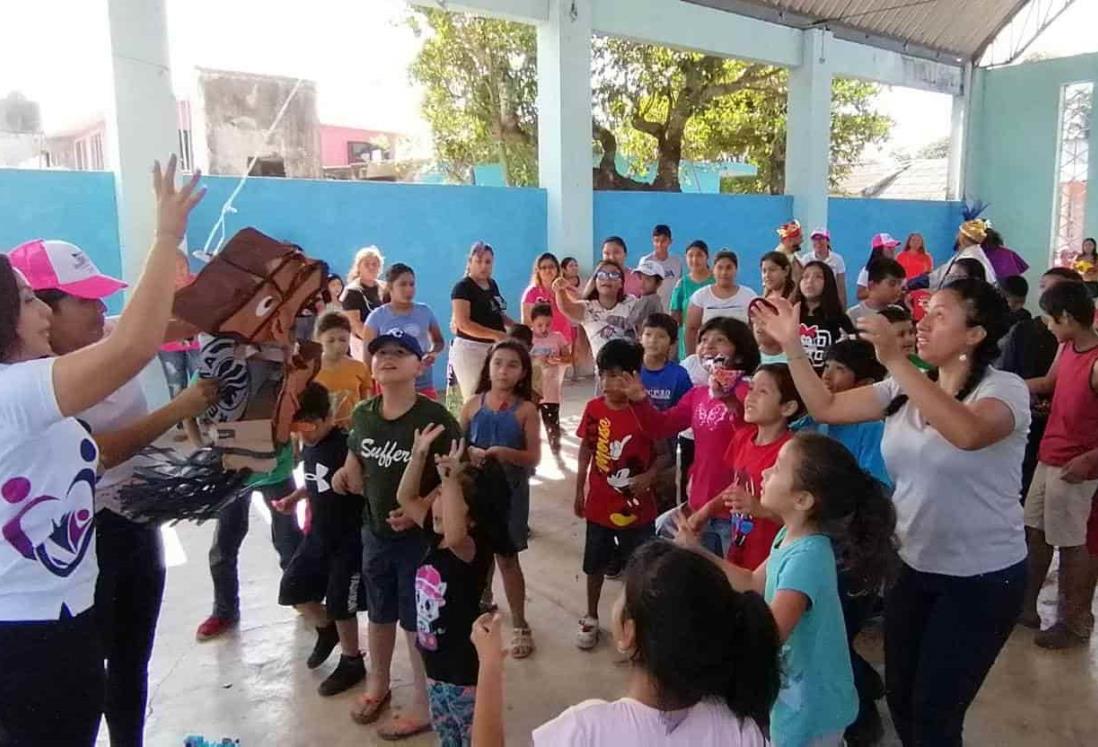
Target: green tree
[{"x": 651, "y": 105}]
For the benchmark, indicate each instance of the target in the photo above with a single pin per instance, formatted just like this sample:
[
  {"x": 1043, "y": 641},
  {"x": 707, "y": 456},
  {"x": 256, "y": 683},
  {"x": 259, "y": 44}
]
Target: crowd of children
[{"x": 830, "y": 460}]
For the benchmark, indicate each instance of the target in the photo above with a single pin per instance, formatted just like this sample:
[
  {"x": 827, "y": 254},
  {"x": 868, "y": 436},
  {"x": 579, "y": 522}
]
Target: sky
[{"x": 358, "y": 52}]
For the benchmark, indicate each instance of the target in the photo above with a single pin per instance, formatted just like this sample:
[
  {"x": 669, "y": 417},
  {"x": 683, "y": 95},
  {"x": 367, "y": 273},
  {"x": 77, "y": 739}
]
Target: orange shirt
[
  {"x": 915, "y": 264},
  {"x": 349, "y": 382}
]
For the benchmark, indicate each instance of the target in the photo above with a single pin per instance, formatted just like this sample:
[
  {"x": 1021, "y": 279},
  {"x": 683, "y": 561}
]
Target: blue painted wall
[
  {"x": 75, "y": 206},
  {"x": 431, "y": 226},
  {"x": 853, "y": 222},
  {"x": 1012, "y": 149}
]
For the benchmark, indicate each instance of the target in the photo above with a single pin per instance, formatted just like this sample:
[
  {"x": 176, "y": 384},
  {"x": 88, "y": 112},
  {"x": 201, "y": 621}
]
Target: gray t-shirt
[{"x": 957, "y": 511}]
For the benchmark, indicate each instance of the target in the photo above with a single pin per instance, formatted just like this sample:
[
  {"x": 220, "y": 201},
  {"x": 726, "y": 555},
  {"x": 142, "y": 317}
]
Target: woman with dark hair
[
  {"x": 546, "y": 270},
  {"x": 400, "y": 311},
  {"x": 953, "y": 444},
  {"x": 777, "y": 275},
  {"x": 915, "y": 257},
  {"x": 52, "y": 687},
  {"x": 823, "y": 321},
  {"x": 1086, "y": 263},
  {"x": 724, "y": 297},
  {"x": 605, "y": 311},
  {"x": 703, "y": 663},
  {"x": 967, "y": 267},
  {"x": 479, "y": 317}
]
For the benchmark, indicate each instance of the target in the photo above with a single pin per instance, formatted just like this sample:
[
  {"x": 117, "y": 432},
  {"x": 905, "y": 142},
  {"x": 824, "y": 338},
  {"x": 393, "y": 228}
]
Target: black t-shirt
[
  {"x": 819, "y": 332},
  {"x": 333, "y": 514},
  {"x": 486, "y": 306},
  {"x": 361, "y": 298},
  {"x": 448, "y": 592}
]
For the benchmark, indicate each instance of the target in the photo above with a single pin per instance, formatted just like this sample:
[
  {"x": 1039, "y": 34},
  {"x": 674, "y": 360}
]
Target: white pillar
[
  {"x": 955, "y": 179},
  {"x": 808, "y": 131},
  {"x": 564, "y": 127},
  {"x": 142, "y": 121}
]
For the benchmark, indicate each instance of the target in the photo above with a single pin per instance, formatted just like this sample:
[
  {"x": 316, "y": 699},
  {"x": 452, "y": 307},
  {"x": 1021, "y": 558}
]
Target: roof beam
[
  {"x": 854, "y": 60},
  {"x": 525, "y": 11}
]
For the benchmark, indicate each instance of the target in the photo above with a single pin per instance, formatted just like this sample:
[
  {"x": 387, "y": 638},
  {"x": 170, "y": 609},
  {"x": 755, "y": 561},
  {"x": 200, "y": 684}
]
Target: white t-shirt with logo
[
  {"x": 596, "y": 723},
  {"x": 47, "y": 482},
  {"x": 120, "y": 410},
  {"x": 672, "y": 272},
  {"x": 834, "y": 260},
  {"x": 602, "y": 325},
  {"x": 712, "y": 306}
]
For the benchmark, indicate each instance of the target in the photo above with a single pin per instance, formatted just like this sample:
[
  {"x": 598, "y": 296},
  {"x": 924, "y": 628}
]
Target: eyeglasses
[{"x": 608, "y": 275}]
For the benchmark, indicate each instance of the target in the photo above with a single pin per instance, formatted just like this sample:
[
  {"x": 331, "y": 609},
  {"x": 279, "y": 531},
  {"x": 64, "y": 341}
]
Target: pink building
[{"x": 344, "y": 146}]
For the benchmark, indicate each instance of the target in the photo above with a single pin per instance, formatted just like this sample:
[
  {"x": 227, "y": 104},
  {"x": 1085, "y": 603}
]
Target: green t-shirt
[
  {"x": 384, "y": 448},
  {"x": 283, "y": 469},
  {"x": 680, "y": 299}
]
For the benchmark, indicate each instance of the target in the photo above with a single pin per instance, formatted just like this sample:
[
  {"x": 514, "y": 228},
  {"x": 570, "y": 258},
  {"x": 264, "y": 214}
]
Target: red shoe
[{"x": 213, "y": 627}]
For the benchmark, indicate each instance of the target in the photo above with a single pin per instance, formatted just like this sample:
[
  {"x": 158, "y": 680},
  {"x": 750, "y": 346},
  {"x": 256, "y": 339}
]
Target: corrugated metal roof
[
  {"x": 918, "y": 179},
  {"x": 958, "y": 28}
]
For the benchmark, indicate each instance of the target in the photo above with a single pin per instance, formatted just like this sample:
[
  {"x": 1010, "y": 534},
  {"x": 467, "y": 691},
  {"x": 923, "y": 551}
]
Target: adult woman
[
  {"x": 362, "y": 294},
  {"x": 416, "y": 319},
  {"x": 129, "y": 551},
  {"x": 953, "y": 444},
  {"x": 605, "y": 311},
  {"x": 51, "y": 691},
  {"x": 914, "y": 257},
  {"x": 777, "y": 275},
  {"x": 546, "y": 269},
  {"x": 478, "y": 317},
  {"x": 881, "y": 245},
  {"x": 970, "y": 236},
  {"x": 702, "y": 659},
  {"x": 1086, "y": 264},
  {"x": 724, "y": 298},
  {"x": 696, "y": 277}
]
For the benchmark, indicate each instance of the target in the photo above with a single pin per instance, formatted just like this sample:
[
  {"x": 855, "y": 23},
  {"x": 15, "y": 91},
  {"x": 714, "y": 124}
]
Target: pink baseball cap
[
  {"x": 59, "y": 265},
  {"x": 821, "y": 233},
  {"x": 884, "y": 241}
]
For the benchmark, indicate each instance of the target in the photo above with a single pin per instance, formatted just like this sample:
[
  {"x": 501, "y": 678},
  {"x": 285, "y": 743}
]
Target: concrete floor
[{"x": 253, "y": 685}]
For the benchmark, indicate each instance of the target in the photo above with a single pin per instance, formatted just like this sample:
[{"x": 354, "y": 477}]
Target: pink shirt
[
  {"x": 552, "y": 376},
  {"x": 536, "y": 294},
  {"x": 596, "y": 723},
  {"x": 714, "y": 423}
]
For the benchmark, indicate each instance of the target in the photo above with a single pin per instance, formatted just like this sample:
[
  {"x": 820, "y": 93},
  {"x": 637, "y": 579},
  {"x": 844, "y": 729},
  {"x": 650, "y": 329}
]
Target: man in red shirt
[{"x": 1059, "y": 502}]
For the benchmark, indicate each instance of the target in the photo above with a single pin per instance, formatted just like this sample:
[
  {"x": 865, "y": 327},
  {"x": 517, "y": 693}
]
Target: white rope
[{"x": 204, "y": 253}]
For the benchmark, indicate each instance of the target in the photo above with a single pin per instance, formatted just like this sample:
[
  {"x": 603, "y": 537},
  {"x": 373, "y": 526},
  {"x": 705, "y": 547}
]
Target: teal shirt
[
  {"x": 817, "y": 696},
  {"x": 680, "y": 299}
]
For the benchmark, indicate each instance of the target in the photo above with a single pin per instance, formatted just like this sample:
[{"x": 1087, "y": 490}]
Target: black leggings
[
  {"x": 942, "y": 634},
  {"x": 51, "y": 682},
  {"x": 550, "y": 415}
]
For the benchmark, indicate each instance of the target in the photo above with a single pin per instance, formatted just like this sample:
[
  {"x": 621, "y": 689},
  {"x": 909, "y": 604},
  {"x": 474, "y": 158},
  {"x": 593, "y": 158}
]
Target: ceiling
[{"x": 947, "y": 30}]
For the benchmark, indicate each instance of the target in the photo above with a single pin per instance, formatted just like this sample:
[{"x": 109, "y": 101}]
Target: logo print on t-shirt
[
  {"x": 816, "y": 341},
  {"x": 63, "y": 550},
  {"x": 606, "y": 452},
  {"x": 385, "y": 455},
  {"x": 430, "y": 598},
  {"x": 322, "y": 484}
]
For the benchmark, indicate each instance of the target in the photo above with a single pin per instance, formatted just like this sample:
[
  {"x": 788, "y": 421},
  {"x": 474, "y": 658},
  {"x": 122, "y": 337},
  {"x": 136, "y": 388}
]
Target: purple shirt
[{"x": 1005, "y": 262}]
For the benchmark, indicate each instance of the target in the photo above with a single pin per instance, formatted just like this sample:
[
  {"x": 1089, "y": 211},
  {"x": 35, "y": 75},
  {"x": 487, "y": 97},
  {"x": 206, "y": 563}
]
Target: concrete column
[
  {"x": 808, "y": 131},
  {"x": 564, "y": 127},
  {"x": 142, "y": 121},
  {"x": 955, "y": 179}
]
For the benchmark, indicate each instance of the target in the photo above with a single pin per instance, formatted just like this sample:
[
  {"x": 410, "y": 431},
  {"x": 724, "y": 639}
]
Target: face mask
[{"x": 722, "y": 379}]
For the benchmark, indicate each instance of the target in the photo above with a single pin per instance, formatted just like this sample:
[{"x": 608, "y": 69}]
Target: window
[
  {"x": 268, "y": 166},
  {"x": 186, "y": 151},
  {"x": 1069, "y": 200},
  {"x": 96, "y": 162},
  {"x": 80, "y": 155}
]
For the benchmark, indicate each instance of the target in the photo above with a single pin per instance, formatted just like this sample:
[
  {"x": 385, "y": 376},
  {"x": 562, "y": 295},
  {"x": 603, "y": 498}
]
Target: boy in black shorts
[{"x": 327, "y": 566}]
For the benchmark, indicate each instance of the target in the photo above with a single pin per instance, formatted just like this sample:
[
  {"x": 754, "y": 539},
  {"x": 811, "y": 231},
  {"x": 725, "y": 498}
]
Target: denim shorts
[{"x": 389, "y": 571}]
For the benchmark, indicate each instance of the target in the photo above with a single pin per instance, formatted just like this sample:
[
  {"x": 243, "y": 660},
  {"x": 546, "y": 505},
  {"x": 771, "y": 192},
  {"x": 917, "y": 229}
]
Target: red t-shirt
[
  {"x": 915, "y": 263},
  {"x": 1073, "y": 420},
  {"x": 748, "y": 460},
  {"x": 620, "y": 450}
]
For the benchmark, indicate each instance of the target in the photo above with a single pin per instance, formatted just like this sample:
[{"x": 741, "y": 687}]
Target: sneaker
[
  {"x": 214, "y": 627},
  {"x": 349, "y": 672},
  {"x": 1059, "y": 636},
  {"x": 327, "y": 638},
  {"x": 588, "y": 636}
]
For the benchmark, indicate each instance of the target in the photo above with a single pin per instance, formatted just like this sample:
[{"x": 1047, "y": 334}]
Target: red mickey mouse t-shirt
[
  {"x": 748, "y": 459},
  {"x": 619, "y": 452}
]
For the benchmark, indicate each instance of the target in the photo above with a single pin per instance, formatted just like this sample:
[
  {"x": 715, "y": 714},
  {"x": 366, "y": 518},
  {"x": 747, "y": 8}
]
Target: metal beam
[{"x": 524, "y": 11}]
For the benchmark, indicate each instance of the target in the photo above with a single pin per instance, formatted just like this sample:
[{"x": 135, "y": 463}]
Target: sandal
[
  {"x": 367, "y": 709},
  {"x": 397, "y": 733},
  {"x": 522, "y": 643}
]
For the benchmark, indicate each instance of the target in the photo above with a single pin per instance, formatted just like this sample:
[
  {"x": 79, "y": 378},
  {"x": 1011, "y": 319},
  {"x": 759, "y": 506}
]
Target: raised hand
[
  {"x": 422, "y": 439},
  {"x": 876, "y": 329},
  {"x": 449, "y": 465},
  {"x": 173, "y": 206},
  {"x": 634, "y": 387},
  {"x": 487, "y": 638},
  {"x": 779, "y": 319}
]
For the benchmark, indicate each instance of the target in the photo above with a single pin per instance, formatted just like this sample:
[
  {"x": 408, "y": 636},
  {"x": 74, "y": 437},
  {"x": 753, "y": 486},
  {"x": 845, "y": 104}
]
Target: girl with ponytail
[
  {"x": 953, "y": 444},
  {"x": 836, "y": 517},
  {"x": 703, "y": 662}
]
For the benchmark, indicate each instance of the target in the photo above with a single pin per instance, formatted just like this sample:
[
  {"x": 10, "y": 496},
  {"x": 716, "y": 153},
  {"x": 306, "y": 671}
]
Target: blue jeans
[
  {"x": 232, "y": 526},
  {"x": 179, "y": 366},
  {"x": 942, "y": 634},
  {"x": 716, "y": 536}
]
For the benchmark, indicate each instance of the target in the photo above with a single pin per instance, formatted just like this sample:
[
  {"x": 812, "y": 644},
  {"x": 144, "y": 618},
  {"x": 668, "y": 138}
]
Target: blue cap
[{"x": 400, "y": 337}]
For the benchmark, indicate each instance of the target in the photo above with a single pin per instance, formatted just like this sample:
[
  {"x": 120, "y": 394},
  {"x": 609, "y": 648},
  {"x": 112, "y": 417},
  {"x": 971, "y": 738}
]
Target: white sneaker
[{"x": 588, "y": 635}]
